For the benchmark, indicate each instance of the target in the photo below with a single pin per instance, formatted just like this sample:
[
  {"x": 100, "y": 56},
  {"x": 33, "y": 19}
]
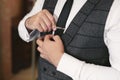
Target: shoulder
[
  {"x": 116, "y": 5},
  {"x": 114, "y": 14}
]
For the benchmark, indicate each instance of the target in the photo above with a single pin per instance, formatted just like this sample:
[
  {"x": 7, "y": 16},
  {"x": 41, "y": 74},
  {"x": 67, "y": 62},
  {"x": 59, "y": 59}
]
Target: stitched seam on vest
[
  {"x": 93, "y": 9},
  {"x": 101, "y": 10},
  {"x": 88, "y": 35},
  {"x": 82, "y": 23},
  {"x": 94, "y": 23},
  {"x": 68, "y": 34},
  {"x": 89, "y": 21},
  {"x": 84, "y": 13},
  {"x": 76, "y": 24},
  {"x": 87, "y": 47},
  {"x": 91, "y": 2}
]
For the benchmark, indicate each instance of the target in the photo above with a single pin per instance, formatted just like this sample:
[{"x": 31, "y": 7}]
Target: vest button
[{"x": 44, "y": 69}]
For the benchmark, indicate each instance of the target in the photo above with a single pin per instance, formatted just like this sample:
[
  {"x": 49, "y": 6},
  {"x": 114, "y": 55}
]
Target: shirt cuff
[
  {"x": 23, "y": 33},
  {"x": 67, "y": 62}
]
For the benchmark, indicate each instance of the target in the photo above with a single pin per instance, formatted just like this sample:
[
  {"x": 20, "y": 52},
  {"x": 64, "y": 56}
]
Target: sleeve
[
  {"x": 112, "y": 35},
  {"x": 23, "y": 33},
  {"x": 79, "y": 70}
]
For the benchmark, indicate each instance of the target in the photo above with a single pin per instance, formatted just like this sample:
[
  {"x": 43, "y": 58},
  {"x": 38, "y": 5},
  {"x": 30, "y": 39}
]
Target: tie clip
[{"x": 53, "y": 32}]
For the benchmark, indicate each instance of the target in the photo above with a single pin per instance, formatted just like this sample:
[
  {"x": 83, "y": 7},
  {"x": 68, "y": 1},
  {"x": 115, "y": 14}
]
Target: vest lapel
[{"x": 78, "y": 21}]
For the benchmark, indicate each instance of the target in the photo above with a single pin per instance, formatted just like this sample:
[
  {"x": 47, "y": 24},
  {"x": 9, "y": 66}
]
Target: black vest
[{"x": 83, "y": 39}]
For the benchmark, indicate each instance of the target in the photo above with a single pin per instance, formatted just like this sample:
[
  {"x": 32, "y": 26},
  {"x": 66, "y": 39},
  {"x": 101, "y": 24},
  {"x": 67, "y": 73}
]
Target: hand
[
  {"x": 43, "y": 21},
  {"x": 51, "y": 48}
]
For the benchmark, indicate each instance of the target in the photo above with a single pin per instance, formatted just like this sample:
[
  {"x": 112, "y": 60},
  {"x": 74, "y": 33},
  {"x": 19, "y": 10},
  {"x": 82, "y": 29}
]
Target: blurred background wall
[{"x": 15, "y": 54}]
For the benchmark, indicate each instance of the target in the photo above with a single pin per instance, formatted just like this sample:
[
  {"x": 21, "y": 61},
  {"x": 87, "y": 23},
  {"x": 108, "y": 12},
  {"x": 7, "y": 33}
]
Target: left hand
[{"x": 51, "y": 50}]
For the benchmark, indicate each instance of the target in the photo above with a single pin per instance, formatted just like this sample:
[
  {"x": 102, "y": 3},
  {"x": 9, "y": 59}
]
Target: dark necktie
[{"x": 63, "y": 17}]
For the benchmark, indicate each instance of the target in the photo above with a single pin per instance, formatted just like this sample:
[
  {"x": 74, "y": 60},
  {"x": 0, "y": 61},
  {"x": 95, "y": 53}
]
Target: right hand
[{"x": 43, "y": 21}]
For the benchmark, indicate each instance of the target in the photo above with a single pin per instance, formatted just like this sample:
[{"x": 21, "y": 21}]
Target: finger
[
  {"x": 39, "y": 42},
  {"x": 56, "y": 38},
  {"x": 47, "y": 22},
  {"x": 41, "y": 20},
  {"x": 39, "y": 28},
  {"x": 42, "y": 56},
  {"x": 48, "y": 37},
  {"x": 39, "y": 49},
  {"x": 43, "y": 25},
  {"x": 50, "y": 16}
]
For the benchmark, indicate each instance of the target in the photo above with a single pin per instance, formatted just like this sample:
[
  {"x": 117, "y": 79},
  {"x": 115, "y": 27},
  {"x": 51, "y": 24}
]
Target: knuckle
[
  {"x": 49, "y": 24},
  {"x": 45, "y": 29},
  {"x": 41, "y": 30},
  {"x": 52, "y": 18},
  {"x": 40, "y": 14},
  {"x": 39, "y": 20},
  {"x": 41, "y": 55},
  {"x": 36, "y": 21},
  {"x": 37, "y": 41},
  {"x": 36, "y": 27},
  {"x": 45, "y": 10},
  {"x": 56, "y": 36},
  {"x": 38, "y": 48}
]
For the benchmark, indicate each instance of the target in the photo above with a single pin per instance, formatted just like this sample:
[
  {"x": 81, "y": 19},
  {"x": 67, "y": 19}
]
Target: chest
[{"x": 84, "y": 35}]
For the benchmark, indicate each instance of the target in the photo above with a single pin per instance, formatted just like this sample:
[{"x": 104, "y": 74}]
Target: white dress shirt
[{"x": 79, "y": 70}]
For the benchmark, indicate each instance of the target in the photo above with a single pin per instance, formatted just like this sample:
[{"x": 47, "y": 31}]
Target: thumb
[{"x": 56, "y": 38}]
